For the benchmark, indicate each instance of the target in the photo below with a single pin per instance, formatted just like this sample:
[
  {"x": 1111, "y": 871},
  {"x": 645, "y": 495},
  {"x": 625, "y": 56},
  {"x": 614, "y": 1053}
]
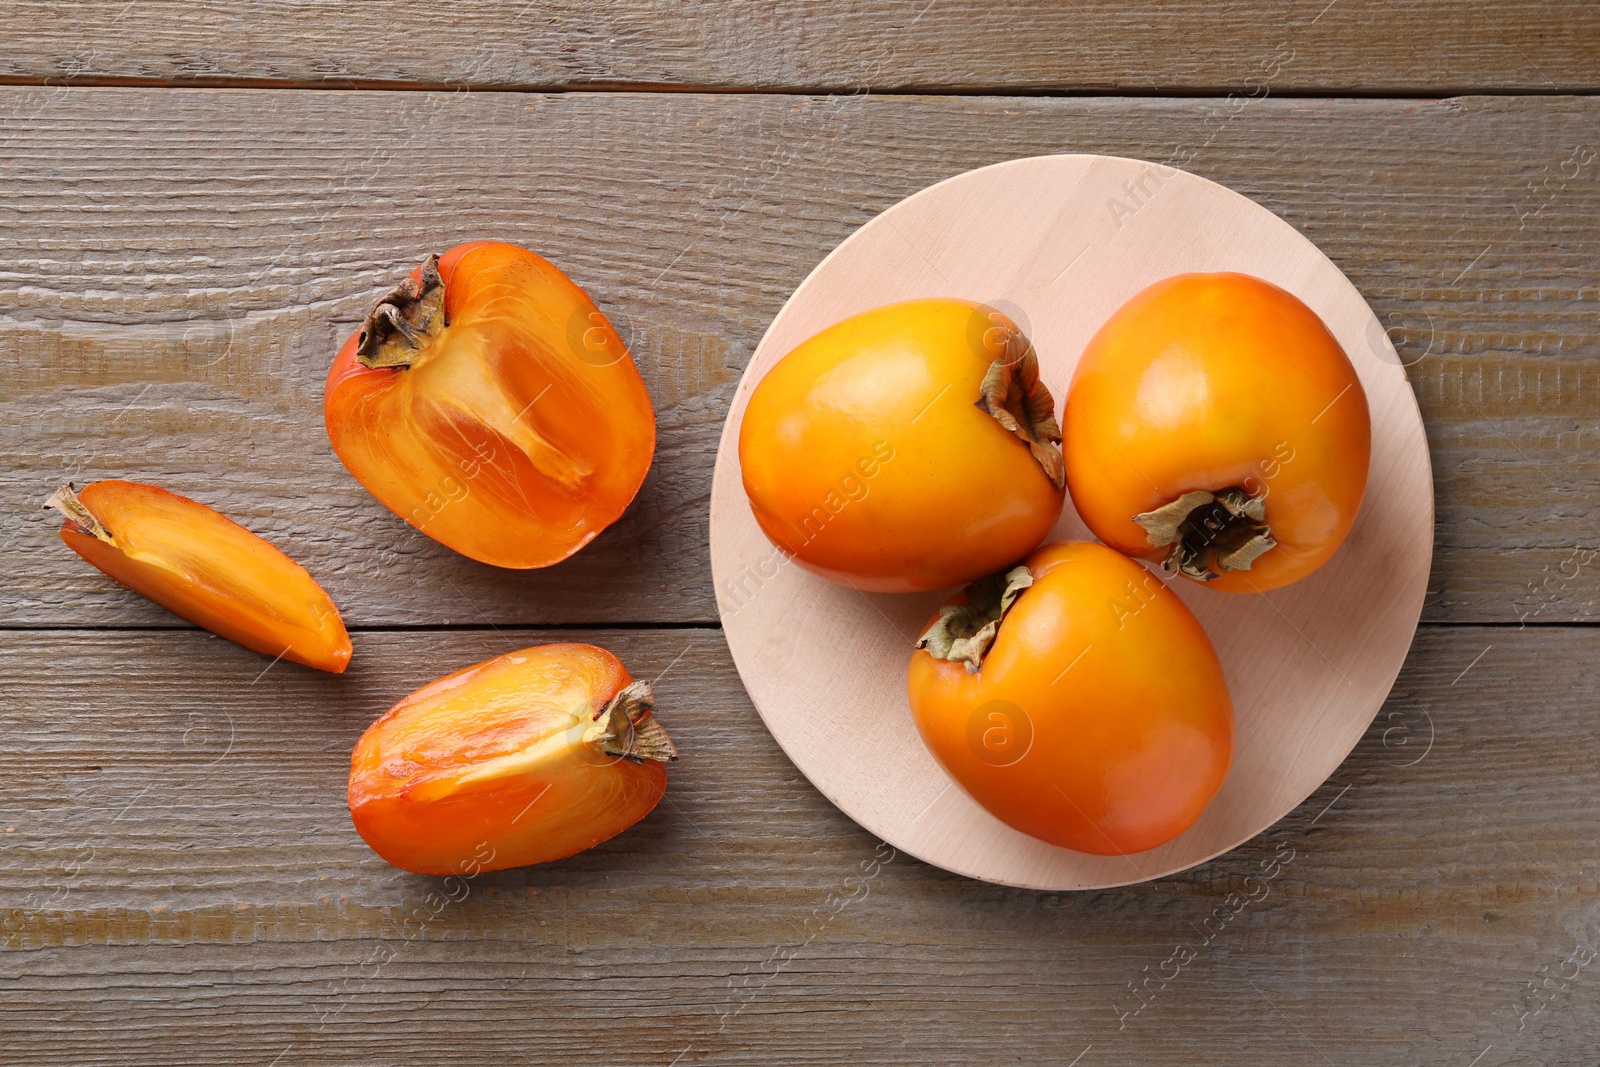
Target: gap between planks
[
  {"x": 1211, "y": 92},
  {"x": 699, "y": 626}
]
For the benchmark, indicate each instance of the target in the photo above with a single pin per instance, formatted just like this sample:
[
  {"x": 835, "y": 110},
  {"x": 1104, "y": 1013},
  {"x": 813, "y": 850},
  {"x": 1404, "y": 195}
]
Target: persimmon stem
[
  {"x": 627, "y": 727},
  {"x": 65, "y": 500},
  {"x": 963, "y": 632},
  {"x": 1209, "y": 533},
  {"x": 404, "y": 320},
  {"x": 1015, "y": 397}
]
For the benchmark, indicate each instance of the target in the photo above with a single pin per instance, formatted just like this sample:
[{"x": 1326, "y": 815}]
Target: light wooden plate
[{"x": 1060, "y": 242}]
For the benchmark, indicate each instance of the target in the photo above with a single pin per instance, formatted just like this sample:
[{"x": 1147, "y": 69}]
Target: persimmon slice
[{"x": 206, "y": 568}]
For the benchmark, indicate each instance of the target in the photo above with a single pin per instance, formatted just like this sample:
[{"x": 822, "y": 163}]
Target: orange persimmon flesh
[
  {"x": 206, "y": 568},
  {"x": 506, "y": 421},
  {"x": 528, "y": 757}
]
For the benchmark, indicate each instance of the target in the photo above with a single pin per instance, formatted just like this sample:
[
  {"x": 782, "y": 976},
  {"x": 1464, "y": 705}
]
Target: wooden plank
[
  {"x": 899, "y": 45},
  {"x": 180, "y": 884},
  {"x": 179, "y": 266}
]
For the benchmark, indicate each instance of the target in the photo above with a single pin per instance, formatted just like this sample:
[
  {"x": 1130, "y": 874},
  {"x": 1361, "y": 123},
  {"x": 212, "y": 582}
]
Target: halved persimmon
[
  {"x": 204, "y": 567},
  {"x": 487, "y": 401},
  {"x": 524, "y": 758}
]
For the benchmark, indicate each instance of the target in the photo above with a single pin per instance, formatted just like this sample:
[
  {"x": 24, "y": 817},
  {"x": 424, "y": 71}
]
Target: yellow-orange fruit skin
[
  {"x": 487, "y": 769},
  {"x": 1212, "y": 381},
  {"x": 1112, "y": 694},
  {"x": 865, "y": 457},
  {"x": 206, "y": 568}
]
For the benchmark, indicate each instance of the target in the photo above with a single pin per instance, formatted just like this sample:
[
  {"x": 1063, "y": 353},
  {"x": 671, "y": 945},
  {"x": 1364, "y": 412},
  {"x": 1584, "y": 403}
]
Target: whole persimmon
[
  {"x": 1077, "y": 699},
  {"x": 487, "y": 401},
  {"x": 1216, "y": 425},
  {"x": 910, "y": 447}
]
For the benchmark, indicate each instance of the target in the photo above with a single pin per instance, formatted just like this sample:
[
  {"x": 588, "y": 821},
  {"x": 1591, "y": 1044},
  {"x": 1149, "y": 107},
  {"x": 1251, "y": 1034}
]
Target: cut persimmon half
[{"x": 524, "y": 758}]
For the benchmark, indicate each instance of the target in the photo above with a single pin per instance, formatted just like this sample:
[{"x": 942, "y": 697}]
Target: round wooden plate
[{"x": 1060, "y": 242}]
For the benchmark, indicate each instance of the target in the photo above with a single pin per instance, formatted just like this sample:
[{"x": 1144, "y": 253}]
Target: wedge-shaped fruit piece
[
  {"x": 528, "y": 757},
  {"x": 205, "y": 567}
]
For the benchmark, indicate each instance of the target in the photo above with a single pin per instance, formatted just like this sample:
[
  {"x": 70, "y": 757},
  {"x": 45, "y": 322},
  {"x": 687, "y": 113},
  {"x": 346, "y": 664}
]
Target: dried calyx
[
  {"x": 1015, "y": 397},
  {"x": 403, "y": 320},
  {"x": 65, "y": 500},
  {"x": 1209, "y": 533},
  {"x": 963, "y": 632},
  {"x": 626, "y": 727}
]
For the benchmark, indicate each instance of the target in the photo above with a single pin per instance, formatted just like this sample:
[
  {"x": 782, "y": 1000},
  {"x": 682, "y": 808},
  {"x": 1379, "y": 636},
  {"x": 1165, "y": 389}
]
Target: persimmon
[
  {"x": 1215, "y": 424},
  {"x": 488, "y": 402},
  {"x": 527, "y": 757},
  {"x": 1077, "y": 699},
  {"x": 909, "y": 447},
  {"x": 204, "y": 567}
]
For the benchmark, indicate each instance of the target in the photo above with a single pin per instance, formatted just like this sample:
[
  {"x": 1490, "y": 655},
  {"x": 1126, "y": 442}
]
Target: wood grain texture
[
  {"x": 179, "y": 265},
  {"x": 180, "y": 883},
  {"x": 1095, "y": 45}
]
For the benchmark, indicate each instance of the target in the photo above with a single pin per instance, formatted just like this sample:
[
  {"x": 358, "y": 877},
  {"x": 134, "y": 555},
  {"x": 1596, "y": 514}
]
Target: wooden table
[{"x": 198, "y": 202}]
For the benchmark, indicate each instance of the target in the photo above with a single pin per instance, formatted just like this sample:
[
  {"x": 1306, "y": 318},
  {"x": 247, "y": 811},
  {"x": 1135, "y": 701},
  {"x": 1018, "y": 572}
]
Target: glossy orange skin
[
  {"x": 485, "y": 768},
  {"x": 519, "y": 433},
  {"x": 204, "y": 567},
  {"x": 865, "y": 459},
  {"x": 1205, "y": 381},
  {"x": 1108, "y": 691}
]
